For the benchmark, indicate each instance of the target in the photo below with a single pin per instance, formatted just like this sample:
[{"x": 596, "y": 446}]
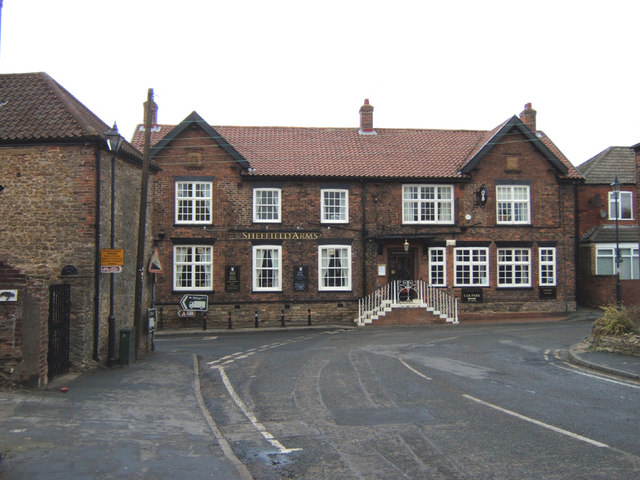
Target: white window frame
[
  {"x": 258, "y": 206},
  {"x": 199, "y": 203},
  {"x": 276, "y": 268},
  {"x": 198, "y": 263},
  {"x": 625, "y": 197},
  {"x": 330, "y": 212},
  {"x": 477, "y": 265},
  {"x": 514, "y": 267},
  {"x": 428, "y": 204},
  {"x": 547, "y": 267},
  {"x": 512, "y": 204},
  {"x": 438, "y": 266},
  {"x": 628, "y": 256},
  {"x": 324, "y": 254}
]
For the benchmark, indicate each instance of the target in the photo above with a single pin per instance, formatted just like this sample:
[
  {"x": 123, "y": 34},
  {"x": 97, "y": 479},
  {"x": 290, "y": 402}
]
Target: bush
[
  {"x": 614, "y": 322},
  {"x": 634, "y": 315}
]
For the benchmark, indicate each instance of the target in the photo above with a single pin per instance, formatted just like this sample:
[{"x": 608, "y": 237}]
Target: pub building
[{"x": 364, "y": 225}]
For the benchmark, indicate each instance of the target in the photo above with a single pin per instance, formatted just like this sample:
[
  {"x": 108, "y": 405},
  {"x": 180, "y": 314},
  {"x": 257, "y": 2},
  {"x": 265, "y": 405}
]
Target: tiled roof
[
  {"x": 611, "y": 162},
  {"x": 607, "y": 234},
  {"x": 33, "y": 106},
  {"x": 343, "y": 152}
]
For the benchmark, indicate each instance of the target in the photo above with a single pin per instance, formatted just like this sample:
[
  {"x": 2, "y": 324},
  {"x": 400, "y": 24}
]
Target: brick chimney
[
  {"x": 366, "y": 119},
  {"x": 528, "y": 117},
  {"x": 154, "y": 113}
]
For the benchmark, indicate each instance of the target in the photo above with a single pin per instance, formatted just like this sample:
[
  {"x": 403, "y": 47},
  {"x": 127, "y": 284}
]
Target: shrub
[
  {"x": 614, "y": 322},
  {"x": 634, "y": 315}
]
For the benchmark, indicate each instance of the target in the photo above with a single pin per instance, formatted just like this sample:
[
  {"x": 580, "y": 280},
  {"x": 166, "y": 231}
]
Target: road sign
[
  {"x": 154, "y": 264},
  {"x": 198, "y": 303},
  {"x": 111, "y": 269},
  {"x": 186, "y": 313}
]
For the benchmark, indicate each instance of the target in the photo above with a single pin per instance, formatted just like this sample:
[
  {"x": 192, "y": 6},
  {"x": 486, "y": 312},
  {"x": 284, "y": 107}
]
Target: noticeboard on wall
[
  {"x": 232, "y": 278},
  {"x": 300, "y": 278}
]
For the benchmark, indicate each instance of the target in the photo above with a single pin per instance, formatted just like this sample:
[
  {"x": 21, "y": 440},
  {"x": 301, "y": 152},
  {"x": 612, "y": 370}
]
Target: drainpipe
[
  {"x": 364, "y": 240},
  {"x": 96, "y": 285}
]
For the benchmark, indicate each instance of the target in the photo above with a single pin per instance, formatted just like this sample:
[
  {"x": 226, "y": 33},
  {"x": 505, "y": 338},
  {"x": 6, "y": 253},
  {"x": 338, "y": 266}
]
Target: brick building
[
  {"x": 598, "y": 213},
  {"x": 272, "y": 223},
  {"x": 55, "y": 204}
]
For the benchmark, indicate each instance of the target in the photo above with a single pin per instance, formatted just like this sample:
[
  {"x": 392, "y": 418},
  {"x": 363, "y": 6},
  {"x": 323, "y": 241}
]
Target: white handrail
[{"x": 416, "y": 293}]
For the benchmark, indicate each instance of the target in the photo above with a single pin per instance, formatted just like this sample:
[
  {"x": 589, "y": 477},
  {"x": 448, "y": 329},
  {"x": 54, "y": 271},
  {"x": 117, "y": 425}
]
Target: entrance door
[
  {"x": 400, "y": 266},
  {"x": 59, "y": 316}
]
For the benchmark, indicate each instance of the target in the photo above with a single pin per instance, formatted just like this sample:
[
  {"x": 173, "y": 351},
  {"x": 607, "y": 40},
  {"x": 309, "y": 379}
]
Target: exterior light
[
  {"x": 405, "y": 245},
  {"x": 114, "y": 139}
]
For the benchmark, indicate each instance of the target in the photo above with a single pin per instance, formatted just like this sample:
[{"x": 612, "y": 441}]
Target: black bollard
[
  {"x": 204, "y": 321},
  {"x": 230, "y": 325},
  {"x": 256, "y": 319},
  {"x": 309, "y": 316},
  {"x": 282, "y": 319}
]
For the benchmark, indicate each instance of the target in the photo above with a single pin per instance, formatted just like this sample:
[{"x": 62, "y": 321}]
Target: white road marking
[
  {"x": 252, "y": 418},
  {"x": 414, "y": 370},
  {"x": 224, "y": 445},
  {"x": 569, "y": 367},
  {"x": 537, "y": 422}
]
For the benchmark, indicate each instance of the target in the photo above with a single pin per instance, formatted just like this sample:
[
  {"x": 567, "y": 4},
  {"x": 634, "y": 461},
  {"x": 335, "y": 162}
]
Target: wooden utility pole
[{"x": 142, "y": 224}]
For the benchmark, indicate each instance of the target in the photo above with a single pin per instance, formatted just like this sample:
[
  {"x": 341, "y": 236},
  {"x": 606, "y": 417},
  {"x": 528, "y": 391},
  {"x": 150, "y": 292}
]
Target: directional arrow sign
[{"x": 198, "y": 303}]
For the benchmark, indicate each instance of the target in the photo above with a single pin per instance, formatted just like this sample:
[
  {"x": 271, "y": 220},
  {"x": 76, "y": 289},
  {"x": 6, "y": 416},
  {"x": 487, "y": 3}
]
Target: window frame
[
  {"x": 473, "y": 264},
  {"x": 634, "y": 254},
  {"x": 515, "y": 267},
  {"x": 420, "y": 207},
  {"x": 194, "y": 271},
  {"x": 255, "y": 272},
  {"x": 612, "y": 205},
  {"x": 276, "y": 206},
  {"x": 551, "y": 265},
  {"x": 322, "y": 270},
  {"x": 343, "y": 209},
  {"x": 440, "y": 263},
  {"x": 193, "y": 201},
  {"x": 512, "y": 202}
]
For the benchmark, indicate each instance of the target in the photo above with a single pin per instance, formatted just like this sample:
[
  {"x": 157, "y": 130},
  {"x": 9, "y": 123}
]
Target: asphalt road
[{"x": 435, "y": 402}]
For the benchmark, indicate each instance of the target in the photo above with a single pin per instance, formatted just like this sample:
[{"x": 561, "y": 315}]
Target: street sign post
[{"x": 197, "y": 303}]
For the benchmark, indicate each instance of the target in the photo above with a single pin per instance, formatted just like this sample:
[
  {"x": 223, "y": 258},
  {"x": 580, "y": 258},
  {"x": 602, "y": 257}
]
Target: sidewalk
[
  {"x": 606, "y": 362},
  {"x": 119, "y": 423}
]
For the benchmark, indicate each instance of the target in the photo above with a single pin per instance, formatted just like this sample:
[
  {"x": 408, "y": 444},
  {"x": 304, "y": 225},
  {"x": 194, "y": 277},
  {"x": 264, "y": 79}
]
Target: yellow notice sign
[{"x": 111, "y": 257}]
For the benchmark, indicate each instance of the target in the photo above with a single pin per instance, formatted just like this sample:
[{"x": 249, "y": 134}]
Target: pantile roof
[
  {"x": 344, "y": 152},
  {"x": 34, "y": 108},
  {"x": 611, "y": 162}
]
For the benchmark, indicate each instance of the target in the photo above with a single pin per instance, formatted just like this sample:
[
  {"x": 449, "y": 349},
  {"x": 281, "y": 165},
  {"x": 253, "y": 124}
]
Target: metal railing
[{"x": 407, "y": 293}]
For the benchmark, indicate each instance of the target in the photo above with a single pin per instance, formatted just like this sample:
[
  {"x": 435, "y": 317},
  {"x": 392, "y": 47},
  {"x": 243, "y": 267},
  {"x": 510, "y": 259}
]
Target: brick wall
[{"x": 552, "y": 213}]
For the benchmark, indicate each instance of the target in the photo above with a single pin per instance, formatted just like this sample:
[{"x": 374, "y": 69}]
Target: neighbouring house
[
  {"x": 277, "y": 225},
  {"x": 606, "y": 222},
  {"x": 56, "y": 176}
]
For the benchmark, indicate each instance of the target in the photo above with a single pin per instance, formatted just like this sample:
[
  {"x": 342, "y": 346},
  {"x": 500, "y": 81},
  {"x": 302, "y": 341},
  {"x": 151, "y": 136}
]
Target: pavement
[{"x": 122, "y": 422}]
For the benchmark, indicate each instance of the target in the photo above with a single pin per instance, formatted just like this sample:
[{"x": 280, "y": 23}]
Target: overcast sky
[{"x": 446, "y": 64}]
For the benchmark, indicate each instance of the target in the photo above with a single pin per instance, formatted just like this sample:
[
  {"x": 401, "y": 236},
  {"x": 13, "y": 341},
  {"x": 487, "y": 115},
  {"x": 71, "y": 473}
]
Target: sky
[{"x": 434, "y": 64}]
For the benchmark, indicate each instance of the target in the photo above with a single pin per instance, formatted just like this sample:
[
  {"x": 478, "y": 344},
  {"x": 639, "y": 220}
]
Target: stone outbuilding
[{"x": 56, "y": 176}]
